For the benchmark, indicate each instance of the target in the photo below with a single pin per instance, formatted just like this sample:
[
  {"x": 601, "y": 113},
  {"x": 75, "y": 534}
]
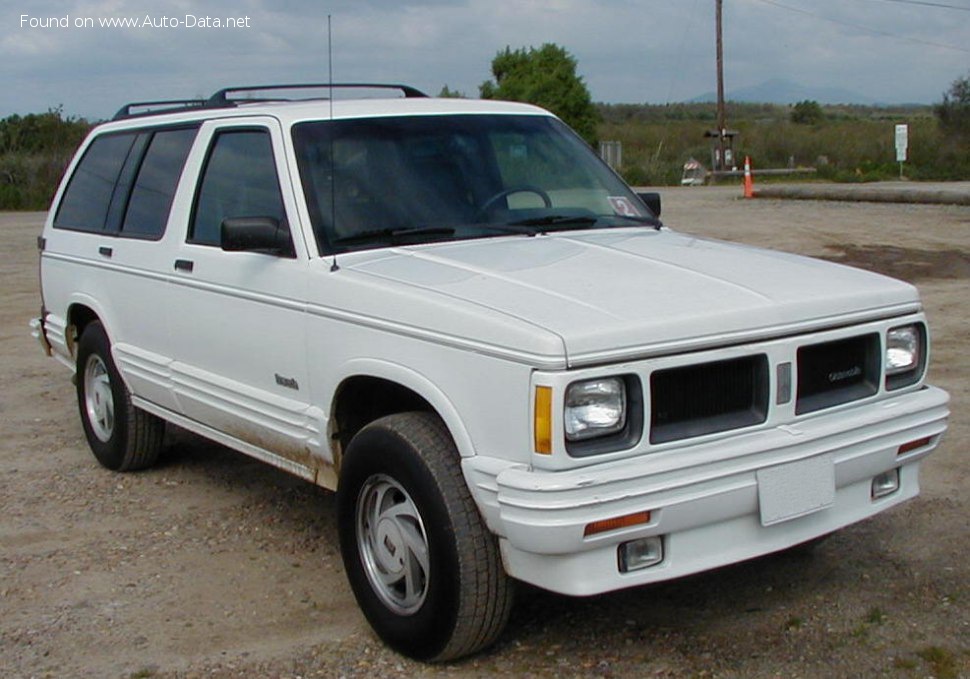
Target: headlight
[
  {"x": 903, "y": 349},
  {"x": 905, "y": 355},
  {"x": 595, "y": 408}
]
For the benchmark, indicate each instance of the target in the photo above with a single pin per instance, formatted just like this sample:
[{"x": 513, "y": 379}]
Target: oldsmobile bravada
[{"x": 453, "y": 314}]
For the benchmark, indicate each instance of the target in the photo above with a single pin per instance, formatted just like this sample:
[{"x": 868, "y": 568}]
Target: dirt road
[{"x": 215, "y": 565}]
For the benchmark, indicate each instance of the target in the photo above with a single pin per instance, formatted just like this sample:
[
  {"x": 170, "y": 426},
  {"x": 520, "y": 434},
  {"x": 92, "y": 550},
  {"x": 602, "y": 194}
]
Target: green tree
[
  {"x": 448, "y": 93},
  {"x": 545, "y": 77},
  {"x": 953, "y": 112},
  {"x": 807, "y": 113}
]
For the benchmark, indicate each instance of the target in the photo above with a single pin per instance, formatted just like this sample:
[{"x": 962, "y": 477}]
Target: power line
[
  {"x": 926, "y": 3},
  {"x": 860, "y": 27}
]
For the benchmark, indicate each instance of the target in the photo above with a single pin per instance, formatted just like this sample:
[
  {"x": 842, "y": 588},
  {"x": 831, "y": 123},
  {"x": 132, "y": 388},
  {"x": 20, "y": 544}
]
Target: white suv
[{"x": 456, "y": 316}]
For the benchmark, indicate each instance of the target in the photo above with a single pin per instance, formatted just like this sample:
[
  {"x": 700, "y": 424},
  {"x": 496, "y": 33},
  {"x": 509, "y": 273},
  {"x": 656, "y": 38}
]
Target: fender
[
  {"x": 107, "y": 319},
  {"x": 416, "y": 382}
]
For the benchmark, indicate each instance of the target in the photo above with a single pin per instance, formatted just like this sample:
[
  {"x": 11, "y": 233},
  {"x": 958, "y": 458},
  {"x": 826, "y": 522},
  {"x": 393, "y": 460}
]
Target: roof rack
[
  {"x": 222, "y": 98},
  {"x": 170, "y": 106}
]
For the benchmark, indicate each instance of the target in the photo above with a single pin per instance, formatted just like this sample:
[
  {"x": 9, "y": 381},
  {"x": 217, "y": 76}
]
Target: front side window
[
  {"x": 375, "y": 182},
  {"x": 88, "y": 196},
  {"x": 239, "y": 181}
]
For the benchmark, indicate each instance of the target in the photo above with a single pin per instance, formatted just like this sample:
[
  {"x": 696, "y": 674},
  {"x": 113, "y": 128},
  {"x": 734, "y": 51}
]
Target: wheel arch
[
  {"x": 370, "y": 389},
  {"x": 83, "y": 310}
]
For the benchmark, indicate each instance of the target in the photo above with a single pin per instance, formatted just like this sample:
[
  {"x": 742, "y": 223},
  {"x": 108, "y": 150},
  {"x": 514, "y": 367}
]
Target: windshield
[{"x": 375, "y": 182}]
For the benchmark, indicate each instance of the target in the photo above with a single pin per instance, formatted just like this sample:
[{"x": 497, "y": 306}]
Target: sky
[{"x": 627, "y": 51}]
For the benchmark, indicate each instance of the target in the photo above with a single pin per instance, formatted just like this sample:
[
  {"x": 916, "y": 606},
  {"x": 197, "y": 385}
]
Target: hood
[{"x": 625, "y": 293}]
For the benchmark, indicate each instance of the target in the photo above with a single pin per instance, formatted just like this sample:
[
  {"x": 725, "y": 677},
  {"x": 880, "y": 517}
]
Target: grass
[
  {"x": 904, "y": 663},
  {"x": 875, "y": 616},
  {"x": 850, "y": 145},
  {"x": 942, "y": 662}
]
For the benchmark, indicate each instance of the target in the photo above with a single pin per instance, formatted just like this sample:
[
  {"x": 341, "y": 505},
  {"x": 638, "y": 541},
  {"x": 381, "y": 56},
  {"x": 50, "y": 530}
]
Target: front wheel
[
  {"x": 424, "y": 569},
  {"x": 122, "y": 437}
]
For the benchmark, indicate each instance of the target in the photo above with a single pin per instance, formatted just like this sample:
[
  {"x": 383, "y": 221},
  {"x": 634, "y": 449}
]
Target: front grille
[
  {"x": 707, "y": 398},
  {"x": 837, "y": 372}
]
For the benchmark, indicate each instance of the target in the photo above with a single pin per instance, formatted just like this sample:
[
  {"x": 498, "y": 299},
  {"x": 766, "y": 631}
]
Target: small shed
[{"x": 695, "y": 174}]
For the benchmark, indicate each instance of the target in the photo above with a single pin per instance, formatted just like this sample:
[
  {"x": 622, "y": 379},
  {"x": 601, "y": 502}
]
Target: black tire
[
  {"x": 402, "y": 473},
  {"x": 122, "y": 437}
]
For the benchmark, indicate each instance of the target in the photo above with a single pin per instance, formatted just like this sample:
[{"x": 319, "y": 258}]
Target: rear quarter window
[{"x": 85, "y": 204}]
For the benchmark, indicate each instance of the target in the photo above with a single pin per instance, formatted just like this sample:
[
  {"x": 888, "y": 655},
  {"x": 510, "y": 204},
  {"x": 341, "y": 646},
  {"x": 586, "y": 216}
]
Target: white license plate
[{"x": 789, "y": 491}]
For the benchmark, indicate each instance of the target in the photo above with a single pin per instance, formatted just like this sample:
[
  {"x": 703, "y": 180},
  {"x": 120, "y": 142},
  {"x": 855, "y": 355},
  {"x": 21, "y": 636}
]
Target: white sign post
[{"x": 902, "y": 145}]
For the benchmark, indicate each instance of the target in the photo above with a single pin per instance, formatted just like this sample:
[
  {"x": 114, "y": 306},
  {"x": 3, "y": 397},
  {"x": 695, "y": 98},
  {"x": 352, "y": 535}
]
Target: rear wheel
[
  {"x": 425, "y": 570},
  {"x": 122, "y": 437}
]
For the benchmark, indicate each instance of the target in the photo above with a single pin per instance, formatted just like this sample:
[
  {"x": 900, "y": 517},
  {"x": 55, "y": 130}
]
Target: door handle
[
  {"x": 184, "y": 265},
  {"x": 105, "y": 252}
]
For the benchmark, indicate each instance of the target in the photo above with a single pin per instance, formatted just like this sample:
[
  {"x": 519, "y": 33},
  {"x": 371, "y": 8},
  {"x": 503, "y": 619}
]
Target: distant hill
[{"x": 778, "y": 91}]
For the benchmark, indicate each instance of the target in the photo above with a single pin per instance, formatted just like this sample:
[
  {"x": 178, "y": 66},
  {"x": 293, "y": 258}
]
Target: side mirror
[
  {"x": 652, "y": 200},
  {"x": 256, "y": 234}
]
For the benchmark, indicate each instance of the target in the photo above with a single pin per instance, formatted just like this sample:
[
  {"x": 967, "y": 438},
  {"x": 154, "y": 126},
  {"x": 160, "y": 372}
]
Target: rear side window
[
  {"x": 151, "y": 196},
  {"x": 239, "y": 181},
  {"x": 85, "y": 204},
  {"x": 125, "y": 183}
]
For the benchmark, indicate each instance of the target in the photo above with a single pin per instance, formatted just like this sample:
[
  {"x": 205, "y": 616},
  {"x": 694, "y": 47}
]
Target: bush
[
  {"x": 953, "y": 112},
  {"x": 807, "y": 113},
  {"x": 34, "y": 151}
]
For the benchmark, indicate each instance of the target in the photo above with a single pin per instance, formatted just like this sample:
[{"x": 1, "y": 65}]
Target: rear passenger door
[
  {"x": 238, "y": 323},
  {"x": 112, "y": 220}
]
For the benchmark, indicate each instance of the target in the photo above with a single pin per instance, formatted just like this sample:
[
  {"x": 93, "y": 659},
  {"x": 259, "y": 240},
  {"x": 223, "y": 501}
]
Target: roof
[{"x": 289, "y": 112}]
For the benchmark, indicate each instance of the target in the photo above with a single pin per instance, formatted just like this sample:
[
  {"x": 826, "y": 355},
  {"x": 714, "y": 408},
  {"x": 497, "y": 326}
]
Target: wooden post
[{"x": 721, "y": 117}]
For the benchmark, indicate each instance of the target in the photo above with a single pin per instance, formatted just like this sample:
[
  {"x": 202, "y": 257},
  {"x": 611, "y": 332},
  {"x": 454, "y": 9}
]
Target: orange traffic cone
[{"x": 748, "y": 181}]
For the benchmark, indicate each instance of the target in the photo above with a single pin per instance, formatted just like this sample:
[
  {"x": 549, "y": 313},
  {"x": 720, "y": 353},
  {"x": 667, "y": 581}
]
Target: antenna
[
  {"x": 330, "y": 62},
  {"x": 333, "y": 164}
]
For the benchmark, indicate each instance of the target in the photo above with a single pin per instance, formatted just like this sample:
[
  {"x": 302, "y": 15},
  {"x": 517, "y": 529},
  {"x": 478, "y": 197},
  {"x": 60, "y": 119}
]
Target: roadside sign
[{"x": 902, "y": 142}]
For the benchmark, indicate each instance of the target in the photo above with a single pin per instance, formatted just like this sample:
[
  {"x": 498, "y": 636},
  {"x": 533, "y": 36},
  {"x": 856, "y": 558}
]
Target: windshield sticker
[{"x": 623, "y": 206}]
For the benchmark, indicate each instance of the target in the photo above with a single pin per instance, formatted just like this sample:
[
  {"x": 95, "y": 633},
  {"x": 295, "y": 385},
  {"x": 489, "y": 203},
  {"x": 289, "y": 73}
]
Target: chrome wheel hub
[
  {"x": 393, "y": 544},
  {"x": 98, "y": 398}
]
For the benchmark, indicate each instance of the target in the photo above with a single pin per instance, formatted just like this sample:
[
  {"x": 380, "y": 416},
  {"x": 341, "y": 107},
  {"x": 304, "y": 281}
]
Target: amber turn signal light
[
  {"x": 616, "y": 522},
  {"x": 542, "y": 424},
  {"x": 913, "y": 445}
]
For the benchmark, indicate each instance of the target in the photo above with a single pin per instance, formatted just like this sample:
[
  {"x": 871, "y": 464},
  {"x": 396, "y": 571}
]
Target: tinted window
[
  {"x": 151, "y": 197},
  {"x": 376, "y": 182},
  {"x": 239, "y": 181},
  {"x": 88, "y": 195}
]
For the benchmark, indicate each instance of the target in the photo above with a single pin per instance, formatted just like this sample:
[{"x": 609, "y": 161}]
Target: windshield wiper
[
  {"x": 564, "y": 222},
  {"x": 558, "y": 222},
  {"x": 395, "y": 235}
]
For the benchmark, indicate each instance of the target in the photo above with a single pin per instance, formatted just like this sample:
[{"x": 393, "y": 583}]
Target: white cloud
[{"x": 627, "y": 50}]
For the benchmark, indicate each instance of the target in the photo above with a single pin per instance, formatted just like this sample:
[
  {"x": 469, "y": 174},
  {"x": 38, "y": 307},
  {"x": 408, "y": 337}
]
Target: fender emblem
[{"x": 288, "y": 382}]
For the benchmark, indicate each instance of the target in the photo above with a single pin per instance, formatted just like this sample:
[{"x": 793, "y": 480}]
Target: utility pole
[{"x": 721, "y": 121}]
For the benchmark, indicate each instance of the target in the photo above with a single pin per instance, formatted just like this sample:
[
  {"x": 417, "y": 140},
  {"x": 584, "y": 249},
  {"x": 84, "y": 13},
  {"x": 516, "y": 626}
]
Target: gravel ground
[{"x": 214, "y": 565}]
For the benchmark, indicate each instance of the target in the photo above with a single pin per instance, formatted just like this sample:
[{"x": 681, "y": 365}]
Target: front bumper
[{"x": 708, "y": 501}]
